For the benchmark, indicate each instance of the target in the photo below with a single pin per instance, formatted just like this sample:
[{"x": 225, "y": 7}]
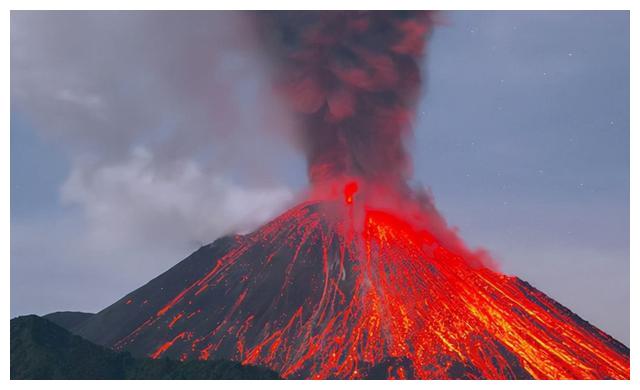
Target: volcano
[
  {"x": 363, "y": 279},
  {"x": 333, "y": 288}
]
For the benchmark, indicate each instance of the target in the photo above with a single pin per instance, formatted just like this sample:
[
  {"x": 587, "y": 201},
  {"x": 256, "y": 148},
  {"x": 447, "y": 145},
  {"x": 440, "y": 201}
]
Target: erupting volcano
[{"x": 363, "y": 279}]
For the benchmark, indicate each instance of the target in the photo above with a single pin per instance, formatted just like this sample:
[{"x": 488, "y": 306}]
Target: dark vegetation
[{"x": 41, "y": 349}]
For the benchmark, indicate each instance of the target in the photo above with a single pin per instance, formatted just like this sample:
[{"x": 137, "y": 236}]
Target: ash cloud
[{"x": 352, "y": 79}]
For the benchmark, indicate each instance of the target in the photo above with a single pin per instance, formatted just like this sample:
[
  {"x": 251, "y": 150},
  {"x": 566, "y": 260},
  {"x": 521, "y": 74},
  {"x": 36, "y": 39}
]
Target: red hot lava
[
  {"x": 349, "y": 191},
  {"x": 310, "y": 297}
]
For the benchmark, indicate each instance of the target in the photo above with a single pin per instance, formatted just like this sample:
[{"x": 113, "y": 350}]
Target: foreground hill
[{"x": 40, "y": 349}]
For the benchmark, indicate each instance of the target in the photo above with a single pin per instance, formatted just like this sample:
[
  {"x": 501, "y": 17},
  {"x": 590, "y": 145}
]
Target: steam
[
  {"x": 159, "y": 101},
  {"x": 352, "y": 78}
]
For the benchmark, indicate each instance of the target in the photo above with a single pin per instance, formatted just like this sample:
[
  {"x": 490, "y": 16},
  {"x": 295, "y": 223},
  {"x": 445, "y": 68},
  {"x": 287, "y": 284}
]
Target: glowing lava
[
  {"x": 308, "y": 297},
  {"x": 349, "y": 191}
]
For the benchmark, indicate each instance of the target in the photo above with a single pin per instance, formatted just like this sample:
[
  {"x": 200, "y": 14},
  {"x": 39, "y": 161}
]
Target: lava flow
[
  {"x": 363, "y": 279},
  {"x": 312, "y": 297}
]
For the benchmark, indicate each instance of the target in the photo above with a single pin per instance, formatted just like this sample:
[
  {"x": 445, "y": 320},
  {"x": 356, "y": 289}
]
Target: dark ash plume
[{"x": 353, "y": 78}]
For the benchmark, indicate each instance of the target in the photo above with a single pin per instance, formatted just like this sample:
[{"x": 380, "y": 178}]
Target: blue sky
[
  {"x": 524, "y": 141},
  {"x": 522, "y": 135}
]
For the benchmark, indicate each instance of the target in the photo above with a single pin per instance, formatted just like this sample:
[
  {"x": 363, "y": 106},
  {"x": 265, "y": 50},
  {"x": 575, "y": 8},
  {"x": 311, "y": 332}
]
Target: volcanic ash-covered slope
[{"x": 311, "y": 296}]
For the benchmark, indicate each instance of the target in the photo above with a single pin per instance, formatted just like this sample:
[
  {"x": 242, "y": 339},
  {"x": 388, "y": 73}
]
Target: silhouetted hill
[
  {"x": 195, "y": 369},
  {"x": 68, "y": 319},
  {"x": 41, "y": 349}
]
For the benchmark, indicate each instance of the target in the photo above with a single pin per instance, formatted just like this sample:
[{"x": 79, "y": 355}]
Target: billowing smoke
[{"x": 352, "y": 78}]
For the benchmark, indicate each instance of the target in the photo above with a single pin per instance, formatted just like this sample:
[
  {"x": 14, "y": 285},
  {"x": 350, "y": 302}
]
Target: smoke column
[{"x": 352, "y": 78}]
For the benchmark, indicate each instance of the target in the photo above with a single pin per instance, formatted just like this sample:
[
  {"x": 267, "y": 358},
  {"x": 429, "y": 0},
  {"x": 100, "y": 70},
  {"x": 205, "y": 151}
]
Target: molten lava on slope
[{"x": 312, "y": 295}]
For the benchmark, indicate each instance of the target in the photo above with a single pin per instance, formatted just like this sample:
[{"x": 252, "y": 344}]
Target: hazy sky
[{"x": 135, "y": 138}]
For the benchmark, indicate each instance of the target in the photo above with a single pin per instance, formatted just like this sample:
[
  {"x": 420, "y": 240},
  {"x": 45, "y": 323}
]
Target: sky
[{"x": 136, "y": 138}]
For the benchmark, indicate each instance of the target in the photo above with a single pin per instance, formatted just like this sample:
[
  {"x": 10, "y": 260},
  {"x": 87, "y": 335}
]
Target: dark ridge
[{"x": 41, "y": 349}]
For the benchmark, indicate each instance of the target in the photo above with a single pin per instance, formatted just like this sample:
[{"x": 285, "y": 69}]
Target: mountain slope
[
  {"x": 107, "y": 327},
  {"x": 40, "y": 349},
  {"x": 311, "y": 296}
]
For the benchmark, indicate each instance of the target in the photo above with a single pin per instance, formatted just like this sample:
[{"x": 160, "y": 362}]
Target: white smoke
[{"x": 162, "y": 117}]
